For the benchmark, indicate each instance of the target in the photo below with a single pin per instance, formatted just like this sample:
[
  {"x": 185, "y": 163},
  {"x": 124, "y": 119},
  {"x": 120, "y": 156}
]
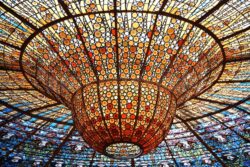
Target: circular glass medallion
[{"x": 123, "y": 150}]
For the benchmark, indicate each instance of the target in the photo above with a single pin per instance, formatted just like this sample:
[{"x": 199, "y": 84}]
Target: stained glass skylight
[{"x": 108, "y": 62}]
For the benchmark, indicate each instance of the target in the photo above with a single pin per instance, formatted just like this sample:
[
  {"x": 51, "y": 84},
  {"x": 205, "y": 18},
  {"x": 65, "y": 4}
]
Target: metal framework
[
  {"x": 60, "y": 146},
  {"x": 202, "y": 141},
  {"x": 172, "y": 155},
  {"x": 32, "y": 115},
  {"x": 221, "y": 110},
  {"x": 92, "y": 159}
]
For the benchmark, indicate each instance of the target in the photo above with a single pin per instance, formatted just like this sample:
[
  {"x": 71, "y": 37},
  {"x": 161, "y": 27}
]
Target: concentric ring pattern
[{"x": 204, "y": 46}]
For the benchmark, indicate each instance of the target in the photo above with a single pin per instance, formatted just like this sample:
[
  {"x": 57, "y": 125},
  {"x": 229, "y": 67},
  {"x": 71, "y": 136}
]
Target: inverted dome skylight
[{"x": 125, "y": 71}]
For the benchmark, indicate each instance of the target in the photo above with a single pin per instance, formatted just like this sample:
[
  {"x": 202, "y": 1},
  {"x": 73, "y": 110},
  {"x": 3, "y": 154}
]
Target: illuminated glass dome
[{"x": 157, "y": 82}]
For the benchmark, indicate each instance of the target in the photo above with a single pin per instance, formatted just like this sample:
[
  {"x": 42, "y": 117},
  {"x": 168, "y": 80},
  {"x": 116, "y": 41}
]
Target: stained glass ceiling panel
[{"x": 211, "y": 129}]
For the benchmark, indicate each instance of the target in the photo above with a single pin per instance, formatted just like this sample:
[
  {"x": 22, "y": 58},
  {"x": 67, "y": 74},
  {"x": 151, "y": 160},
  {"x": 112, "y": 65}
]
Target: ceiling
[{"x": 211, "y": 129}]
